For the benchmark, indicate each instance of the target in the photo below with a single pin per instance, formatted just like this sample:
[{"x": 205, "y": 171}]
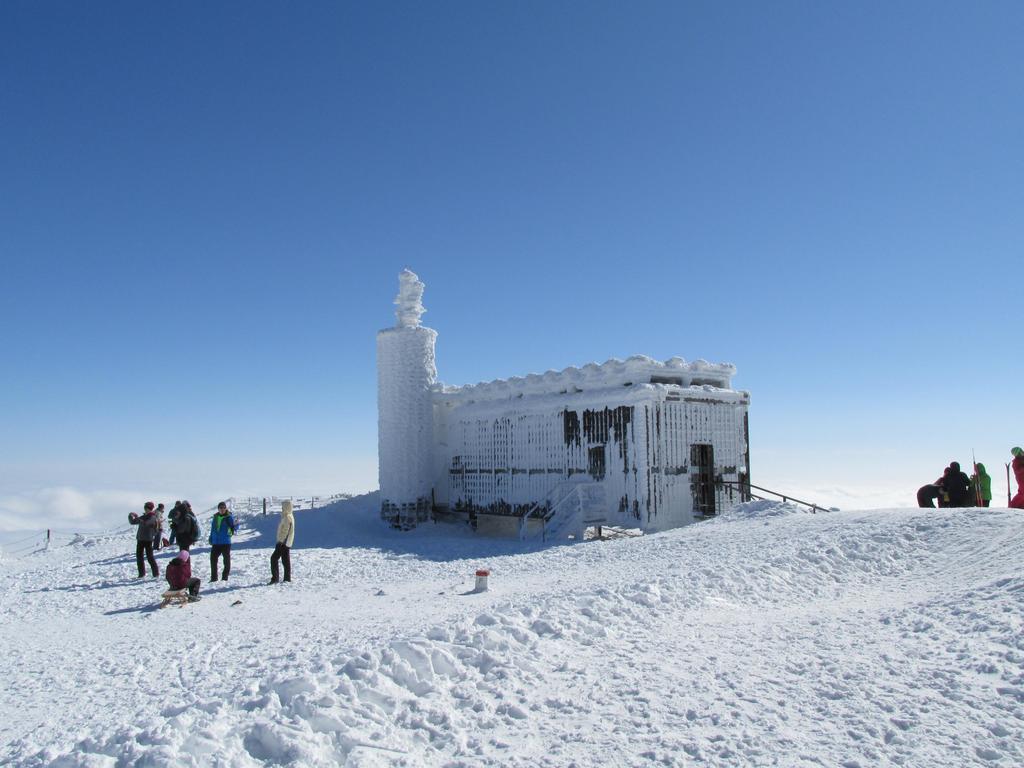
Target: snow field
[{"x": 771, "y": 638}]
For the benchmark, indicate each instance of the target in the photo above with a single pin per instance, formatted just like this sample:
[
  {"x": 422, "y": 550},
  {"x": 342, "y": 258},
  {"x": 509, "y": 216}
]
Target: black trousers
[
  {"x": 145, "y": 547},
  {"x": 283, "y": 554},
  {"x": 193, "y": 586},
  {"x": 216, "y": 551}
]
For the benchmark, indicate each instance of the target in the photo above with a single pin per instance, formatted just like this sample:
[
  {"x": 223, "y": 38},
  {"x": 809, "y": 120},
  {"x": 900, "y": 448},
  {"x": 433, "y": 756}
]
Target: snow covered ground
[{"x": 773, "y": 637}]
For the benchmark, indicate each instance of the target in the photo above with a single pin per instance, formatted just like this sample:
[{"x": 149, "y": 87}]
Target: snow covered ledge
[{"x": 638, "y": 369}]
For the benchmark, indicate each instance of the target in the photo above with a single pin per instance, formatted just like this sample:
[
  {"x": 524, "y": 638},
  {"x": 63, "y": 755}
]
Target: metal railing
[
  {"x": 745, "y": 486},
  {"x": 550, "y": 505},
  {"x": 255, "y": 505},
  {"x": 41, "y": 541}
]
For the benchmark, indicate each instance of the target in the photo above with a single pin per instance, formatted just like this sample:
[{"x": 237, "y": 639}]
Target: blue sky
[{"x": 204, "y": 209}]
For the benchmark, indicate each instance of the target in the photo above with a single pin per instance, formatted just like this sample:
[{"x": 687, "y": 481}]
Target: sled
[{"x": 175, "y": 597}]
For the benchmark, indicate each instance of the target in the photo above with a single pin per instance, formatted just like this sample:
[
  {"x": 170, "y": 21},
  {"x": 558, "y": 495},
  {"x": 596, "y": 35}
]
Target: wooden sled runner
[{"x": 175, "y": 597}]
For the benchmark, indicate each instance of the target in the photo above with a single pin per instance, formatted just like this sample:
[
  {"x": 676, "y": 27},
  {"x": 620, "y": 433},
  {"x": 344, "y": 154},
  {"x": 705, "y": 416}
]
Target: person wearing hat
[
  {"x": 179, "y": 575},
  {"x": 1017, "y": 502},
  {"x": 144, "y": 538},
  {"x": 957, "y": 485},
  {"x": 172, "y": 522},
  {"x": 222, "y": 528},
  {"x": 982, "y": 484},
  {"x": 285, "y": 539}
]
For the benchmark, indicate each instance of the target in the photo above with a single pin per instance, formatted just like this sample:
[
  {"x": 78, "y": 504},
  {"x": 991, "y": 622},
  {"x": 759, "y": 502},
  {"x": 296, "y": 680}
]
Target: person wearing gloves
[
  {"x": 144, "y": 538},
  {"x": 222, "y": 528},
  {"x": 1017, "y": 502},
  {"x": 179, "y": 575},
  {"x": 285, "y": 538}
]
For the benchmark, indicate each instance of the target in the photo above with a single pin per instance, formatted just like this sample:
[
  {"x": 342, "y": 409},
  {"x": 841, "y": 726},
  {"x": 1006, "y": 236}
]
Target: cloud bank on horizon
[{"x": 67, "y": 508}]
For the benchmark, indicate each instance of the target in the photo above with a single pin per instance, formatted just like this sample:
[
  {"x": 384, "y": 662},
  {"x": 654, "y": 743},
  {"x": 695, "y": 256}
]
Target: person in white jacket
[{"x": 285, "y": 538}]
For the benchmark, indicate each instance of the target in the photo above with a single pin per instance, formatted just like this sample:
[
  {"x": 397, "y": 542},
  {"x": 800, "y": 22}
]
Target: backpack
[{"x": 193, "y": 525}]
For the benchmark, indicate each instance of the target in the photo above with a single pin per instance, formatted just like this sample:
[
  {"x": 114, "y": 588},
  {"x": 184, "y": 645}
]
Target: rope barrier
[{"x": 12, "y": 543}]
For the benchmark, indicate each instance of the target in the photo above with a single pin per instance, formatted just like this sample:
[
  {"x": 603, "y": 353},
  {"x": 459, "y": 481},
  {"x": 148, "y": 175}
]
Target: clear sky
[{"x": 204, "y": 209}]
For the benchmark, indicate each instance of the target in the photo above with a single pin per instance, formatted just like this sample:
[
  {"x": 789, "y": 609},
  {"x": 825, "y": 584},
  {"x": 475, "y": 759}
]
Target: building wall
[
  {"x": 670, "y": 430},
  {"x": 507, "y": 458},
  {"x": 507, "y": 463}
]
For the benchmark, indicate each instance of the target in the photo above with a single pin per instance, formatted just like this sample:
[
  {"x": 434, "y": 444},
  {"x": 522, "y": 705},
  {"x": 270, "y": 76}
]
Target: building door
[
  {"x": 597, "y": 462},
  {"x": 702, "y": 478}
]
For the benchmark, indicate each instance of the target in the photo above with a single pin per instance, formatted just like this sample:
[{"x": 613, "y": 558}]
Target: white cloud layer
[
  {"x": 65, "y": 508},
  {"x": 30, "y": 500}
]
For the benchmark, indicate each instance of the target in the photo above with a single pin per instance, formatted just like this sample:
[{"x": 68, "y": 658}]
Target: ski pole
[
  {"x": 977, "y": 480},
  {"x": 1007, "y": 485}
]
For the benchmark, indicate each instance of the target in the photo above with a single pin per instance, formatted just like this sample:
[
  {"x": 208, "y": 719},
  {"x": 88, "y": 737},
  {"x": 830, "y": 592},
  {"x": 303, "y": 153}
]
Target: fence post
[{"x": 264, "y": 505}]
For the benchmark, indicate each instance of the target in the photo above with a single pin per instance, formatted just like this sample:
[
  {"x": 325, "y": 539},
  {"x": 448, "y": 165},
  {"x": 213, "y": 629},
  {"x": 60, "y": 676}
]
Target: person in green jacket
[{"x": 982, "y": 484}]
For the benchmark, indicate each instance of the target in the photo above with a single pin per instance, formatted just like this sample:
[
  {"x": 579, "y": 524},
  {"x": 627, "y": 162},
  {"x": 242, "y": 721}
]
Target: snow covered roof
[{"x": 638, "y": 369}]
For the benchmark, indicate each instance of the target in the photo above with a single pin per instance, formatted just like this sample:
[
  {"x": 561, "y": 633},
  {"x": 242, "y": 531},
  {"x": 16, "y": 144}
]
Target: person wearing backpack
[
  {"x": 188, "y": 527},
  {"x": 144, "y": 538},
  {"x": 222, "y": 528},
  {"x": 285, "y": 539}
]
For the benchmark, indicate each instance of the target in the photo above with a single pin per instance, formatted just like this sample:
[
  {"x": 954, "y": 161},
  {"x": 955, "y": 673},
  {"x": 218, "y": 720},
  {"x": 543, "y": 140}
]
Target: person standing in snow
[
  {"x": 222, "y": 528},
  {"x": 982, "y": 484},
  {"x": 158, "y": 536},
  {"x": 179, "y": 575},
  {"x": 188, "y": 527},
  {"x": 1017, "y": 502},
  {"x": 957, "y": 486},
  {"x": 144, "y": 538},
  {"x": 285, "y": 539},
  {"x": 172, "y": 522}
]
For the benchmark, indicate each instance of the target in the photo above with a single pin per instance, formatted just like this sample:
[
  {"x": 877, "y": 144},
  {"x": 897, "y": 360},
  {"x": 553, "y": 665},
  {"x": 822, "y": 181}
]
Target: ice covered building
[{"x": 635, "y": 443}]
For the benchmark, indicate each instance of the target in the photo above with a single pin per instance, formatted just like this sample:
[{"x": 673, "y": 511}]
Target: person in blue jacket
[{"x": 222, "y": 528}]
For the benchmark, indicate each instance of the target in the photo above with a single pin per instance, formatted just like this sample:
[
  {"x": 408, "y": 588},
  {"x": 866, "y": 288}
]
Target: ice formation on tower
[
  {"x": 409, "y": 300},
  {"x": 405, "y": 375}
]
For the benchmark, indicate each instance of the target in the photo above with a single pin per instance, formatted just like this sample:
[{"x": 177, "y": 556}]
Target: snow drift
[{"x": 771, "y": 637}]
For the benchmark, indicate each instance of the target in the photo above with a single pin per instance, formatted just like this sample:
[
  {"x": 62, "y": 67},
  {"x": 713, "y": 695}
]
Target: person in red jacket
[
  {"x": 179, "y": 575},
  {"x": 1017, "y": 502}
]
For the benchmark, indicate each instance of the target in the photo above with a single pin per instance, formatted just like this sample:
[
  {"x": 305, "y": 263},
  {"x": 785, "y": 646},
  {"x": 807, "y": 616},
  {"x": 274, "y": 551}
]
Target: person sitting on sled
[{"x": 179, "y": 575}]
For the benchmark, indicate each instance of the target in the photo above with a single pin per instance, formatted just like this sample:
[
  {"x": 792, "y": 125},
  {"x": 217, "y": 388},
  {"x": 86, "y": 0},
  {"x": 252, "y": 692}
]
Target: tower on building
[{"x": 405, "y": 374}]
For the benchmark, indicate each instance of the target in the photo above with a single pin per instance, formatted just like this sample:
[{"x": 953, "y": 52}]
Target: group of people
[
  {"x": 185, "y": 532},
  {"x": 956, "y": 489}
]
